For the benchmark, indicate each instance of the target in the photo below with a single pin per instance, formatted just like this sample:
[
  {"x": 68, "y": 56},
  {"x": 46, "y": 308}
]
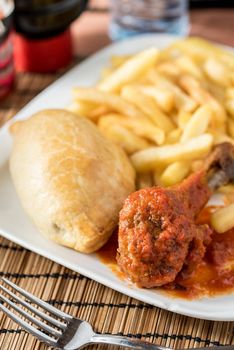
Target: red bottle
[
  {"x": 6, "y": 49},
  {"x": 42, "y": 39}
]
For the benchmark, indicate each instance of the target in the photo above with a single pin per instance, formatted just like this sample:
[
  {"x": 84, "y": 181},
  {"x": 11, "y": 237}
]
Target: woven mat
[{"x": 107, "y": 310}]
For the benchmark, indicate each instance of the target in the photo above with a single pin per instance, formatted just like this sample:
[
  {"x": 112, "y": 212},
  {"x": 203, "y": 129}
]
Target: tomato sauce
[{"x": 214, "y": 276}]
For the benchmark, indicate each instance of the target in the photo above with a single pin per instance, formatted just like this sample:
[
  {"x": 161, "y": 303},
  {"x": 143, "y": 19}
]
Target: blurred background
[
  {"x": 46, "y": 35},
  {"x": 211, "y": 19}
]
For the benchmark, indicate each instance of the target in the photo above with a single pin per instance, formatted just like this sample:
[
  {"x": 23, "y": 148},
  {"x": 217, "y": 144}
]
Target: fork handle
[{"x": 126, "y": 342}]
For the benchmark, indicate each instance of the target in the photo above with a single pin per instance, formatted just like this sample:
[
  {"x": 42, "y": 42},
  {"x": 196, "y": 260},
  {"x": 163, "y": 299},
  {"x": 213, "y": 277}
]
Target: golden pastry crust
[{"x": 71, "y": 180}]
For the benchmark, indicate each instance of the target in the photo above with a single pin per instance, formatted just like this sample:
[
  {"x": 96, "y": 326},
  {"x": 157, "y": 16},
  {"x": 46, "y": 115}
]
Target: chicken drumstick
[{"x": 158, "y": 236}]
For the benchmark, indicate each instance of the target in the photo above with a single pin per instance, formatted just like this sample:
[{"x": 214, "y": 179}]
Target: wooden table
[{"x": 107, "y": 310}]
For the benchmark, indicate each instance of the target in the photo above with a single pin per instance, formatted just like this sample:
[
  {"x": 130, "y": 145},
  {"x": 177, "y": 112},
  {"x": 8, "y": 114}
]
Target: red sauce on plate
[{"x": 214, "y": 276}]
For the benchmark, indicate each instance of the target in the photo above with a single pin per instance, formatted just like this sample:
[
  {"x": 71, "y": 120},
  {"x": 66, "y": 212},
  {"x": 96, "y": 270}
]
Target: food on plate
[
  {"x": 158, "y": 236},
  {"x": 222, "y": 219},
  {"x": 150, "y": 158},
  {"x": 168, "y": 110},
  {"x": 131, "y": 69},
  {"x": 70, "y": 179},
  {"x": 164, "y": 107},
  {"x": 172, "y": 113}
]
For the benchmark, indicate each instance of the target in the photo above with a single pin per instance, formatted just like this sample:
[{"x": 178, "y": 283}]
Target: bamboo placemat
[{"x": 107, "y": 310}]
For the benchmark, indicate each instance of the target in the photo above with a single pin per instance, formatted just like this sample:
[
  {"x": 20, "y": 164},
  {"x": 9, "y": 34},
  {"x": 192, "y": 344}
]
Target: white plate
[{"x": 17, "y": 227}]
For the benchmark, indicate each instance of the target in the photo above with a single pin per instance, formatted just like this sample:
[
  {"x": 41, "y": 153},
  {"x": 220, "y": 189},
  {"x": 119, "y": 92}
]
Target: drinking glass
[{"x": 132, "y": 17}]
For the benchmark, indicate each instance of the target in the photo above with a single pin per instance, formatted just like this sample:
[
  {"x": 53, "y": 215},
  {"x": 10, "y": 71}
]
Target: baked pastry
[{"x": 71, "y": 180}]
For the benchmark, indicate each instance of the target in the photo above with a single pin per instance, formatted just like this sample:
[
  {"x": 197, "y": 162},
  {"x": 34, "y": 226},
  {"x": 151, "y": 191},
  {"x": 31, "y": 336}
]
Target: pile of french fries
[{"x": 166, "y": 108}]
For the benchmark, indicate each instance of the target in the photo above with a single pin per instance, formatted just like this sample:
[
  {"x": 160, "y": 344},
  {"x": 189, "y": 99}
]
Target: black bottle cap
[{"x": 35, "y": 19}]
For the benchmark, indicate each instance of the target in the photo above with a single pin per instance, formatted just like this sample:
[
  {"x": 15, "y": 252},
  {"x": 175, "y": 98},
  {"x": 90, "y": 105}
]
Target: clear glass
[
  {"x": 6, "y": 47},
  {"x": 132, "y": 17}
]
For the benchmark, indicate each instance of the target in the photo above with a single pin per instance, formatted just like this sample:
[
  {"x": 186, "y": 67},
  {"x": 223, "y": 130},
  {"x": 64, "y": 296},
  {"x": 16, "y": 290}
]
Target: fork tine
[
  {"x": 38, "y": 301},
  {"x": 35, "y": 310},
  {"x": 38, "y": 334},
  {"x": 40, "y": 324}
]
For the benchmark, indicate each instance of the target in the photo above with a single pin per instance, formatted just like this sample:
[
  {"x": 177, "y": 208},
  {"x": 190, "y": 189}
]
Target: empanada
[{"x": 71, "y": 180}]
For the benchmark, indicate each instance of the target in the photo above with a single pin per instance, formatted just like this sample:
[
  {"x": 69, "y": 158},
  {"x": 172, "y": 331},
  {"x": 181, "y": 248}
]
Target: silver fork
[{"x": 64, "y": 332}]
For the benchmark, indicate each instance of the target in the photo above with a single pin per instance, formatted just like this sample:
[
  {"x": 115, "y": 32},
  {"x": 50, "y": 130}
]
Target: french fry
[
  {"x": 186, "y": 64},
  {"x": 106, "y": 72},
  {"x": 121, "y": 136},
  {"x": 175, "y": 173},
  {"x": 227, "y": 189},
  {"x": 230, "y": 127},
  {"x": 169, "y": 69},
  {"x": 202, "y": 96},
  {"x": 147, "y": 105},
  {"x": 167, "y": 54},
  {"x": 230, "y": 107},
  {"x": 81, "y": 108},
  {"x": 145, "y": 129},
  {"x": 113, "y": 101},
  {"x": 222, "y": 220},
  {"x": 157, "y": 173},
  {"x": 200, "y": 49},
  {"x": 163, "y": 98},
  {"x": 97, "y": 112},
  {"x": 195, "y": 148},
  {"x": 197, "y": 165},
  {"x": 197, "y": 48},
  {"x": 220, "y": 137},
  {"x": 217, "y": 72},
  {"x": 139, "y": 127},
  {"x": 227, "y": 58},
  {"x": 183, "y": 119},
  {"x": 182, "y": 100},
  {"x": 117, "y": 61},
  {"x": 229, "y": 93},
  {"x": 173, "y": 136},
  {"x": 217, "y": 91},
  {"x": 130, "y": 70},
  {"x": 198, "y": 123}
]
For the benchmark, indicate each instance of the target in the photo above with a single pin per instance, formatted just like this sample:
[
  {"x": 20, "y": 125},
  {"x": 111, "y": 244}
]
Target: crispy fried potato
[
  {"x": 182, "y": 100},
  {"x": 169, "y": 70},
  {"x": 129, "y": 70},
  {"x": 187, "y": 65},
  {"x": 197, "y": 48},
  {"x": 97, "y": 112},
  {"x": 175, "y": 173},
  {"x": 166, "y": 108},
  {"x": 81, "y": 108},
  {"x": 202, "y": 96},
  {"x": 229, "y": 93},
  {"x": 173, "y": 136},
  {"x": 113, "y": 101},
  {"x": 227, "y": 189},
  {"x": 164, "y": 98},
  {"x": 147, "y": 105},
  {"x": 123, "y": 137},
  {"x": 230, "y": 107},
  {"x": 197, "y": 124},
  {"x": 220, "y": 137},
  {"x": 230, "y": 127},
  {"x": 142, "y": 128},
  {"x": 149, "y": 158},
  {"x": 217, "y": 72},
  {"x": 222, "y": 220},
  {"x": 117, "y": 61},
  {"x": 183, "y": 119}
]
